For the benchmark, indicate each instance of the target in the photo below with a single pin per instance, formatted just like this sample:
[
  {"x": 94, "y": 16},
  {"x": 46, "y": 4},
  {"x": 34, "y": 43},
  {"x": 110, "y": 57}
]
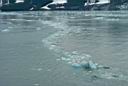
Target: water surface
[{"x": 38, "y": 48}]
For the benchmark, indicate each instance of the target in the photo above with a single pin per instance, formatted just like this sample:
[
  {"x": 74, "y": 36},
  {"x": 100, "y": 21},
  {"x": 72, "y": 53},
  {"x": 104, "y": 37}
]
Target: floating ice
[
  {"x": 38, "y": 28},
  {"x": 89, "y": 65},
  {"x": 37, "y": 69},
  {"x": 76, "y": 65},
  {"x": 76, "y": 59},
  {"x": 58, "y": 59},
  {"x": 36, "y": 84},
  {"x": 5, "y": 30}
]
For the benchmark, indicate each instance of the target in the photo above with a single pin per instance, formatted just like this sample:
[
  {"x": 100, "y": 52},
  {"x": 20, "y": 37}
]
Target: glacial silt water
[{"x": 49, "y": 48}]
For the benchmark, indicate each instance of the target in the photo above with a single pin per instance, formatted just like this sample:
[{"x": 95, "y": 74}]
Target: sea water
[{"x": 55, "y": 48}]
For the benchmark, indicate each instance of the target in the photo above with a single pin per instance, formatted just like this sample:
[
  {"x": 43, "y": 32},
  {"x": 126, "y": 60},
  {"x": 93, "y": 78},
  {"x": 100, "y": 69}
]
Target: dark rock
[
  {"x": 37, "y": 4},
  {"x": 57, "y": 6},
  {"x": 79, "y": 5},
  {"x": 4, "y": 1},
  {"x": 88, "y": 7},
  {"x": 105, "y": 67},
  {"x": 24, "y": 6},
  {"x": 100, "y": 7},
  {"x": 70, "y": 5},
  {"x": 115, "y": 2},
  {"x": 27, "y": 1},
  {"x": 16, "y": 7},
  {"x": 118, "y": 5},
  {"x": 12, "y": 1},
  {"x": 118, "y": 2},
  {"x": 12, "y": 6},
  {"x": 76, "y": 2}
]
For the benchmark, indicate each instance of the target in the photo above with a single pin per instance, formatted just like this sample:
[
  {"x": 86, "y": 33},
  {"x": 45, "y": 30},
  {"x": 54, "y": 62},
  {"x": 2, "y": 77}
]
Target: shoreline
[{"x": 64, "y": 7}]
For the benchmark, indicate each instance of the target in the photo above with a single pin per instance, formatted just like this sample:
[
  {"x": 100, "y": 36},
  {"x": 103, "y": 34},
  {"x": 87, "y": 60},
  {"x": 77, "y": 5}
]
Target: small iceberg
[
  {"x": 93, "y": 66},
  {"x": 86, "y": 65},
  {"x": 89, "y": 65}
]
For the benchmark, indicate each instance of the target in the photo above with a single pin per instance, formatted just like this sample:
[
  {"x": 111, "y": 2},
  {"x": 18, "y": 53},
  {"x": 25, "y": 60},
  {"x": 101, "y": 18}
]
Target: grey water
[{"x": 37, "y": 48}]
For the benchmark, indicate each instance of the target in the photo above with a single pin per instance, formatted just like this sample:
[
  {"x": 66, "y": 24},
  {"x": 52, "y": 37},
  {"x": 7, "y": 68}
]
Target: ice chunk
[
  {"x": 36, "y": 84},
  {"x": 89, "y": 65},
  {"x": 76, "y": 65},
  {"x": 5, "y": 30}
]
